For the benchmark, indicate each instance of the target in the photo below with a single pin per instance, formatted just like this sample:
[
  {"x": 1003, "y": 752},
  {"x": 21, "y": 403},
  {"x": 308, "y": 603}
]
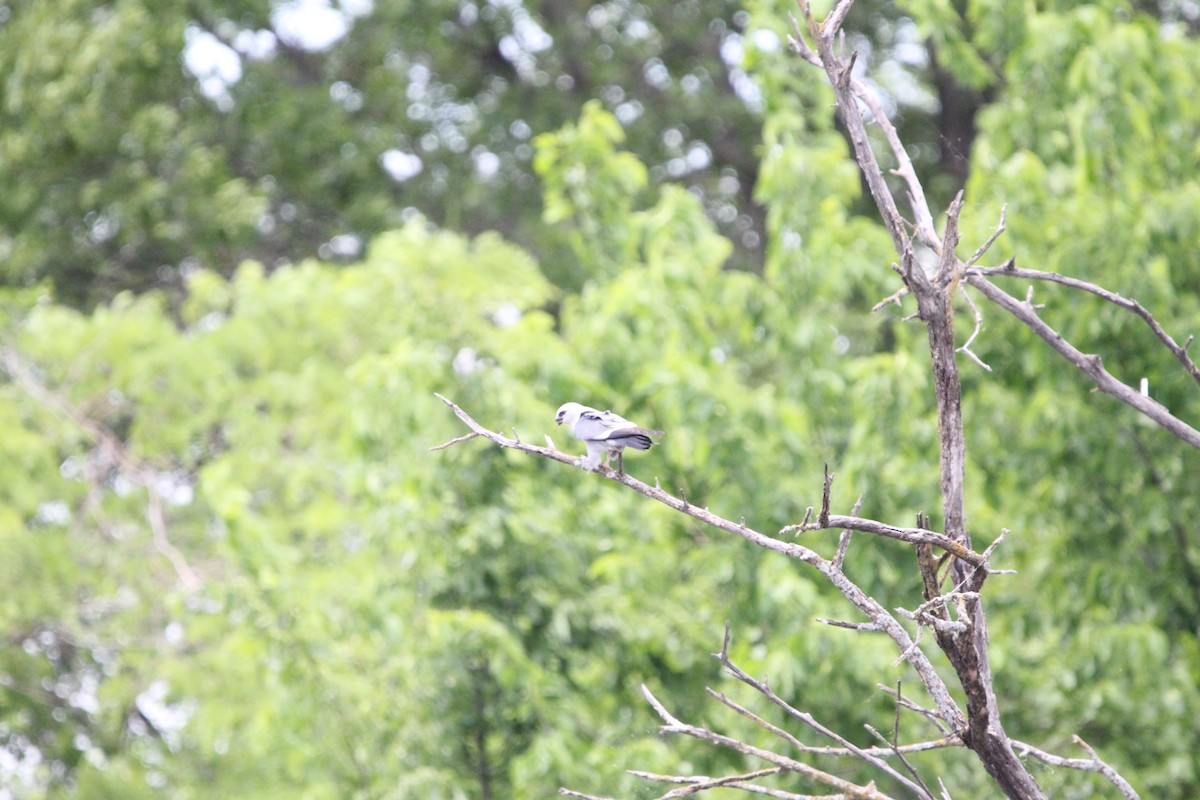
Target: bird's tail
[{"x": 637, "y": 438}]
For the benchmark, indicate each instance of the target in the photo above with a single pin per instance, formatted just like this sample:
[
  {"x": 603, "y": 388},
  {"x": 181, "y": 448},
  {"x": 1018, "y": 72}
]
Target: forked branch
[
  {"x": 1180, "y": 352},
  {"x": 1092, "y": 365}
]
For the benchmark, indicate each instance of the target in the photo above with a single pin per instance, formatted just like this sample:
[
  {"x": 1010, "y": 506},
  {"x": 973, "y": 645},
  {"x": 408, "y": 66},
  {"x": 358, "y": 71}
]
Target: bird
[{"x": 604, "y": 433}]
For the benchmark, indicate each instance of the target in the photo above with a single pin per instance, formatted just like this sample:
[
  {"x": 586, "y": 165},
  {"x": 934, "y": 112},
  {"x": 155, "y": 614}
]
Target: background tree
[{"x": 273, "y": 140}]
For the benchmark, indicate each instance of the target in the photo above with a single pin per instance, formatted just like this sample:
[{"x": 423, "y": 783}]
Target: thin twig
[
  {"x": 796, "y": 744},
  {"x": 833, "y": 23},
  {"x": 698, "y": 783},
  {"x": 983, "y": 248},
  {"x": 900, "y": 755},
  {"x": 844, "y": 538},
  {"x": 932, "y": 716},
  {"x": 571, "y": 793},
  {"x": 965, "y": 349},
  {"x": 894, "y": 297},
  {"x": 839, "y": 752},
  {"x": 452, "y": 442},
  {"x": 865, "y": 627}
]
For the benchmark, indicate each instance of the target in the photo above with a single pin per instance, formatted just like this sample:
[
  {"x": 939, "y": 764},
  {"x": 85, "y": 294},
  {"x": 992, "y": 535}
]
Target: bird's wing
[
  {"x": 598, "y": 425},
  {"x": 601, "y": 425}
]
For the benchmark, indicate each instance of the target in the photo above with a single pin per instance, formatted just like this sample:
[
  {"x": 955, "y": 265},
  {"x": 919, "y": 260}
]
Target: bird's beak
[{"x": 558, "y": 420}]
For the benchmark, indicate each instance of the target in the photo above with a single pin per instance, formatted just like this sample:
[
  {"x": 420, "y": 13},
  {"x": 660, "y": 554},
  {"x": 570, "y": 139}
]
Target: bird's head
[{"x": 568, "y": 413}]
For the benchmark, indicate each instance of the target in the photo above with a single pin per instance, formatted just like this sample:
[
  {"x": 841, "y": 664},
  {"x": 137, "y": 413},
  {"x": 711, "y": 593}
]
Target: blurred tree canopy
[
  {"x": 232, "y": 566},
  {"x": 140, "y": 145}
]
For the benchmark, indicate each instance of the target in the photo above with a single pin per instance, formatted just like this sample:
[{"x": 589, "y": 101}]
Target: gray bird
[{"x": 604, "y": 433}]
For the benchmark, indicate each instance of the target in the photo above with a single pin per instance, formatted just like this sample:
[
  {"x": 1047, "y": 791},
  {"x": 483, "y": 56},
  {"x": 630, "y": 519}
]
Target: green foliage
[
  {"x": 126, "y": 170},
  {"x": 972, "y": 39},
  {"x": 112, "y": 174}
]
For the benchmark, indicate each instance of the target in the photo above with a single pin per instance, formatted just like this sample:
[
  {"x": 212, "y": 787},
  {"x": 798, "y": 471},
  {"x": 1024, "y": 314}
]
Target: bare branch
[
  {"x": 842, "y": 752},
  {"x": 907, "y": 703},
  {"x": 866, "y": 627},
  {"x": 910, "y": 535},
  {"x": 698, "y": 784},
  {"x": 673, "y": 725},
  {"x": 710, "y": 783},
  {"x": 823, "y": 517},
  {"x": 904, "y": 169},
  {"x": 991, "y": 548},
  {"x": 1008, "y": 270},
  {"x": 808, "y": 719},
  {"x": 948, "y": 263},
  {"x": 969, "y": 655},
  {"x": 796, "y": 744},
  {"x": 852, "y": 116},
  {"x": 900, "y": 755},
  {"x": 894, "y": 297},
  {"x": 896, "y": 718},
  {"x": 965, "y": 349},
  {"x": 1089, "y": 364},
  {"x": 916, "y": 747},
  {"x": 833, "y": 23},
  {"x": 452, "y": 442},
  {"x": 1093, "y": 764},
  {"x": 1108, "y": 772},
  {"x": 797, "y": 43},
  {"x": 983, "y": 248},
  {"x": 844, "y": 538},
  {"x": 581, "y": 795}
]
